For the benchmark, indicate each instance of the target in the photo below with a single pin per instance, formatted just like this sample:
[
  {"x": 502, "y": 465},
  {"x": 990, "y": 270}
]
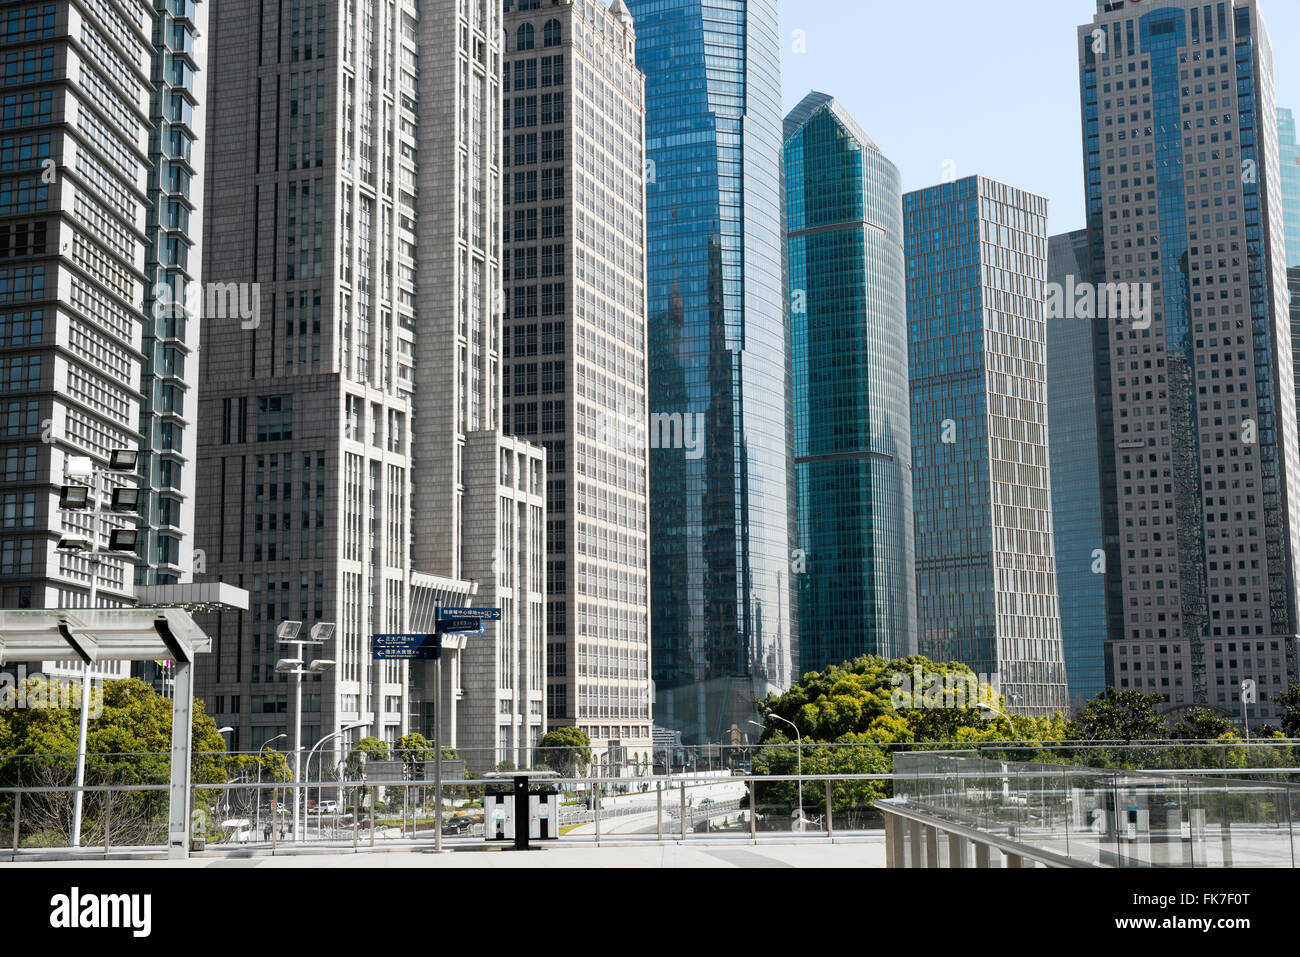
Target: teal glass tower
[
  {"x": 1289, "y": 166},
  {"x": 986, "y": 590},
  {"x": 853, "y": 447},
  {"x": 723, "y": 626},
  {"x": 1076, "y": 479}
]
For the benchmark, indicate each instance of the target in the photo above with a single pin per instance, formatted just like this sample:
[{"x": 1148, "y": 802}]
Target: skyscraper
[
  {"x": 985, "y": 559},
  {"x": 1197, "y": 413},
  {"x": 852, "y": 433},
  {"x": 1289, "y": 168},
  {"x": 479, "y": 495},
  {"x": 723, "y": 627},
  {"x": 76, "y": 186},
  {"x": 1076, "y": 486},
  {"x": 353, "y": 469},
  {"x": 574, "y": 351}
]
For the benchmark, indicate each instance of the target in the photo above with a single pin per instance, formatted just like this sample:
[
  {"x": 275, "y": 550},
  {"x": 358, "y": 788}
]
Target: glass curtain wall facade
[
  {"x": 1076, "y": 483},
  {"x": 1289, "y": 167},
  {"x": 985, "y": 558},
  {"x": 723, "y": 625},
  {"x": 852, "y": 432},
  {"x": 1184, "y": 199}
]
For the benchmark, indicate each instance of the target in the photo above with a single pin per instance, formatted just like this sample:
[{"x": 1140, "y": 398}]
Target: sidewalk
[{"x": 861, "y": 852}]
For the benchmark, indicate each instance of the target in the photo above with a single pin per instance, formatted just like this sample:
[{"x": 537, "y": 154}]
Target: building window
[
  {"x": 274, "y": 418},
  {"x": 524, "y": 38}
]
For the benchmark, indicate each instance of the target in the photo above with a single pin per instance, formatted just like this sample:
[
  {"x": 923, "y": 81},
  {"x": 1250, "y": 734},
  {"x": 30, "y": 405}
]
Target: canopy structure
[
  {"x": 123, "y": 634},
  {"x": 100, "y": 634}
]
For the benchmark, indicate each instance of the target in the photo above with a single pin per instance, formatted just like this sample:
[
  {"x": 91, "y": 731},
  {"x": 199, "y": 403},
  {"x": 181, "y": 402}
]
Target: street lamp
[
  {"x": 75, "y": 498},
  {"x": 989, "y": 707},
  {"x": 257, "y": 808},
  {"x": 287, "y": 634},
  {"x": 329, "y": 737},
  {"x": 799, "y": 745}
]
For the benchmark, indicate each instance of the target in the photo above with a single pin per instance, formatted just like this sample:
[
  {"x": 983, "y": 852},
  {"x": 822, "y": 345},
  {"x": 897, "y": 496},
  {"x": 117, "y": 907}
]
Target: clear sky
[{"x": 990, "y": 86}]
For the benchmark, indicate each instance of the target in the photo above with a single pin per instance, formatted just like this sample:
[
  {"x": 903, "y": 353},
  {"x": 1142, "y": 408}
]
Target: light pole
[
  {"x": 989, "y": 707},
  {"x": 257, "y": 808},
  {"x": 287, "y": 634},
  {"x": 799, "y": 745},
  {"x": 329, "y": 737},
  {"x": 74, "y": 498}
]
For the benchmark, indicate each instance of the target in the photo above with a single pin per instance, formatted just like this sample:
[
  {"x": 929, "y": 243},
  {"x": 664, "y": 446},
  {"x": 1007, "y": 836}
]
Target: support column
[
  {"x": 915, "y": 847},
  {"x": 958, "y": 851},
  {"x": 982, "y": 855},
  {"x": 894, "y": 853},
  {"x": 178, "y": 794},
  {"x": 931, "y": 846}
]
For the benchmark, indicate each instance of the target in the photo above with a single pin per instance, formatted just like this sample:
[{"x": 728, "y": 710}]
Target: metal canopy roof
[{"x": 100, "y": 634}]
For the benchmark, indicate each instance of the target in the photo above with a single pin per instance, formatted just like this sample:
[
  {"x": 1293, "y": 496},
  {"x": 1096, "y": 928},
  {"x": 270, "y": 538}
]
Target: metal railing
[
  {"x": 1065, "y": 815},
  {"x": 344, "y": 805}
]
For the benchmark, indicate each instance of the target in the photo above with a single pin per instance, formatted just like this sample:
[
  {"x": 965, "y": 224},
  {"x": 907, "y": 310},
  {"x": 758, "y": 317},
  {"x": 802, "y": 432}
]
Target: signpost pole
[{"x": 437, "y": 738}]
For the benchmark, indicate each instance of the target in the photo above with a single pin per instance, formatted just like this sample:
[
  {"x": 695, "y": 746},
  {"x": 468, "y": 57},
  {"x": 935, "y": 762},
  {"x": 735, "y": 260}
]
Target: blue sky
[{"x": 988, "y": 85}]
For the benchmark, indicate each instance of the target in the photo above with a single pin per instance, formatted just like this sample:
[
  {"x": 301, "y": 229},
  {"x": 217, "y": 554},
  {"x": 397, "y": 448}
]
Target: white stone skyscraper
[{"x": 574, "y": 351}]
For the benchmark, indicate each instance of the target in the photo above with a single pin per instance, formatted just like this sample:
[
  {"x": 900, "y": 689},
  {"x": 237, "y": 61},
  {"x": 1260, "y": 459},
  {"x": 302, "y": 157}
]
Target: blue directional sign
[
  {"x": 485, "y": 614},
  {"x": 406, "y": 647},
  {"x": 464, "y": 626}
]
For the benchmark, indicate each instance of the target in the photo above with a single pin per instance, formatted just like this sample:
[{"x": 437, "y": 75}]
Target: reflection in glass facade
[
  {"x": 1076, "y": 482},
  {"x": 985, "y": 565},
  {"x": 1289, "y": 164},
  {"x": 722, "y": 623},
  {"x": 1197, "y": 412},
  {"x": 853, "y": 447}
]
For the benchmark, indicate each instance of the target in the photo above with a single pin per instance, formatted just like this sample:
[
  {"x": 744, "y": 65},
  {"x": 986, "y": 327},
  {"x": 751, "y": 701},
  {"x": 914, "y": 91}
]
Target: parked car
[{"x": 456, "y": 825}]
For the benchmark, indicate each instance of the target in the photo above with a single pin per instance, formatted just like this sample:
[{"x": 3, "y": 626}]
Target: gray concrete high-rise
[
  {"x": 574, "y": 351},
  {"x": 1196, "y": 403},
  {"x": 352, "y": 468}
]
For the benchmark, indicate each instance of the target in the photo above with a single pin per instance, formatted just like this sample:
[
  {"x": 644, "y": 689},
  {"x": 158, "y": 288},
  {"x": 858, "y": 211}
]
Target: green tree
[
  {"x": 1126, "y": 716},
  {"x": 1290, "y": 705},
  {"x": 905, "y": 700},
  {"x": 128, "y": 742},
  {"x": 1202, "y": 724},
  {"x": 567, "y": 751}
]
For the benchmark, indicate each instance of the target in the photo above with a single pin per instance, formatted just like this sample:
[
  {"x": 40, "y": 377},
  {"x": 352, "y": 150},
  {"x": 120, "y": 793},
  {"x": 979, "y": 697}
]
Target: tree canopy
[{"x": 564, "y": 750}]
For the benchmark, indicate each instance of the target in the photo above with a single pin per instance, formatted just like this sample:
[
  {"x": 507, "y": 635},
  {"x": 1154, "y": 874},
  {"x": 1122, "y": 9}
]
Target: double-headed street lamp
[
  {"x": 121, "y": 544},
  {"x": 287, "y": 634}
]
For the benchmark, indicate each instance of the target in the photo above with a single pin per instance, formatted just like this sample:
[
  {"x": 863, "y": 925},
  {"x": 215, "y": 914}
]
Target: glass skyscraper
[
  {"x": 1076, "y": 485},
  {"x": 985, "y": 559},
  {"x": 1196, "y": 411},
  {"x": 852, "y": 433},
  {"x": 723, "y": 627},
  {"x": 1289, "y": 166}
]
